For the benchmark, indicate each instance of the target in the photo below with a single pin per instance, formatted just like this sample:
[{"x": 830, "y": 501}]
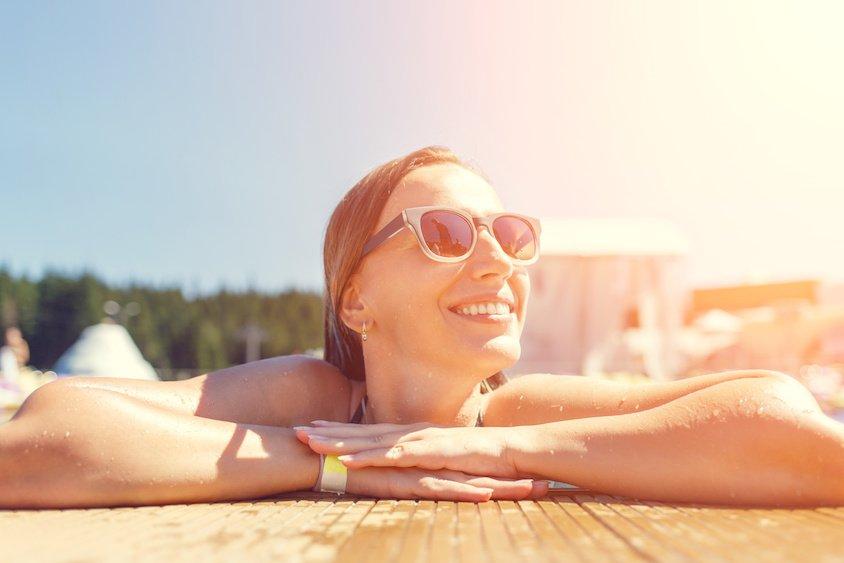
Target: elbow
[{"x": 800, "y": 447}]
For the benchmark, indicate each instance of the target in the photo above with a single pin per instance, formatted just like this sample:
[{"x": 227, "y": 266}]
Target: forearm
[
  {"x": 711, "y": 446},
  {"x": 111, "y": 450}
]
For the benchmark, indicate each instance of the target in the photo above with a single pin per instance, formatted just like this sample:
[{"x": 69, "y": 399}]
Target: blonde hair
[{"x": 351, "y": 224}]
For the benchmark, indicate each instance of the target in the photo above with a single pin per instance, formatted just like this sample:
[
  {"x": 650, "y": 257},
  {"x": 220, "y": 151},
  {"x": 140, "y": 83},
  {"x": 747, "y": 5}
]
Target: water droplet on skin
[
  {"x": 760, "y": 410},
  {"x": 637, "y": 406},
  {"x": 67, "y": 434}
]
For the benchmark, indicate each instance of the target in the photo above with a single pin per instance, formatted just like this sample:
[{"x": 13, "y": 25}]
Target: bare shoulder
[{"x": 279, "y": 391}]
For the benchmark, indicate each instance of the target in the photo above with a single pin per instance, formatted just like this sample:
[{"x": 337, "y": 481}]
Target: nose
[{"x": 488, "y": 258}]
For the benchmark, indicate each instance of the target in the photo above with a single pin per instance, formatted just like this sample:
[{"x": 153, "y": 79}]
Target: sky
[{"x": 206, "y": 144}]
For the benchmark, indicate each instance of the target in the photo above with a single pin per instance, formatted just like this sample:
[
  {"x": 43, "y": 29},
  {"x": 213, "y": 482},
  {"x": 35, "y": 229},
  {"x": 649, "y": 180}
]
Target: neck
[{"x": 405, "y": 392}]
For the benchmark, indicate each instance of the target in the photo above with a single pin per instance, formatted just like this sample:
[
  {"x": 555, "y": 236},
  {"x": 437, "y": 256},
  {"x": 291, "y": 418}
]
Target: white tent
[
  {"x": 592, "y": 273},
  {"x": 105, "y": 349}
]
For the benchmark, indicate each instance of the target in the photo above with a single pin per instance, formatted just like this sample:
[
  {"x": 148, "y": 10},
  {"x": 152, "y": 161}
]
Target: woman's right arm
[
  {"x": 90, "y": 447},
  {"x": 87, "y": 442}
]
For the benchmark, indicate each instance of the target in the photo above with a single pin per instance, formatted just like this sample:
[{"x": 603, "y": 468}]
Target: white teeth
[{"x": 496, "y": 308}]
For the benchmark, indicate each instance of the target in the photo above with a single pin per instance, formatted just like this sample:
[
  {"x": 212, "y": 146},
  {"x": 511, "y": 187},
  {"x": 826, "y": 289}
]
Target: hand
[
  {"x": 479, "y": 451},
  {"x": 412, "y": 483}
]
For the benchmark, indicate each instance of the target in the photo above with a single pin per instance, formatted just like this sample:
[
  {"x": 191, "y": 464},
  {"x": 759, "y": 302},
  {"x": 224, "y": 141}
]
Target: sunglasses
[{"x": 448, "y": 234}]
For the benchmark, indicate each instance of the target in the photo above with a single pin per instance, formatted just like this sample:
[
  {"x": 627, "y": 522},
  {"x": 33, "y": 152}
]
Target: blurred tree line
[{"x": 172, "y": 331}]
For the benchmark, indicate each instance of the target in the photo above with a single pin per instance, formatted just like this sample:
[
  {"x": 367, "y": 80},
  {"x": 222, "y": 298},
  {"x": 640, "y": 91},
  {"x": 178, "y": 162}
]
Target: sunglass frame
[{"x": 411, "y": 217}]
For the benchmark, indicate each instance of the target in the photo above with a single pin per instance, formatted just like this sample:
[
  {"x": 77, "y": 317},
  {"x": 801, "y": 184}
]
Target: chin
[{"x": 497, "y": 354}]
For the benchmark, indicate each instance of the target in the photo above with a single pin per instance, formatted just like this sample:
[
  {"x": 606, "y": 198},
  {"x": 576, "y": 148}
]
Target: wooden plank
[
  {"x": 552, "y": 541},
  {"x": 687, "y": 543},
  {"x": 470, "y": 545},
  {"x": 253, "y": 526},
  {"x": 392, "y": 540},
  {"x": 835, "y": 512},
  {"x": 578, "y": 539},
  {"x": 365, "y": 539},
  {"x": 415, "y": 545},
  {"x": 800, "y": 527},
  {"x": 525, "y": 542},
  {"x": 688, "y": 529},
  {"x": 771, "y": 539},
  {"x": 333, "y": 540},
  {"x": 495, "y": 534},
  {"x": 146, "y": 522},
  {"x": 205, "y": 527},
  {"x": 568, "y": 527},
  {"x": 442, "y": 543},
  {"x": 303, "y": 533},
  {"x": 610, "y": 544},
  {"x": 634, "y": 536}
]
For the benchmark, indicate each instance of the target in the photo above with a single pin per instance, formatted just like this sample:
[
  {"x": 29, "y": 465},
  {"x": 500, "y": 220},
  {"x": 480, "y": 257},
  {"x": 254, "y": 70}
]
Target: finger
[
  {"x": 504, "y": 489},
  {"x": 360, "y": 430},
  {"x": 405, "y": 454},
  {"x": 540, "y": 489},
  {"x": 350, "y": 446},
  {"x": 445, "y": 489},
  {"x": 302, "y": 437}
]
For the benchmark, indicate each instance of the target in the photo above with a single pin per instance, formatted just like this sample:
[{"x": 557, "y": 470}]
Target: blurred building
[{"x": 595, "y": 279}]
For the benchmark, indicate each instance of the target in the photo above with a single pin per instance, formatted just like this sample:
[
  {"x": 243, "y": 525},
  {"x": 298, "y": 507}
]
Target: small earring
[{"x": 363, "y": 333}]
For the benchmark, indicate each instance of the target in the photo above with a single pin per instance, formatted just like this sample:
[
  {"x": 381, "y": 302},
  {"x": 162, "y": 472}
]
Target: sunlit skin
[
  {"x": 423, "y": 361},
  {"x": 749, "y": 437}
]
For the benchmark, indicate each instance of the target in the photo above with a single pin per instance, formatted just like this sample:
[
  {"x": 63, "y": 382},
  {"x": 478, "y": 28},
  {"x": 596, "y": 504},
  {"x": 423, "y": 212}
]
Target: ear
[{"x": 353, "y": 308}]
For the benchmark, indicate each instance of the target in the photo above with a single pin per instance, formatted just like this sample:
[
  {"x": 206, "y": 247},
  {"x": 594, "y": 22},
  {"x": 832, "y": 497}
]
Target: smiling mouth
[{"x": 487, "y": 318}]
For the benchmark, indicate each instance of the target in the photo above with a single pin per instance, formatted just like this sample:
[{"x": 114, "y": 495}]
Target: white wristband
[{"x": 333, "y": 475}]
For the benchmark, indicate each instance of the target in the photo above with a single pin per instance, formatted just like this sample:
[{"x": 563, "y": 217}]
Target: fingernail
[
  {"x": 303, "y": 428},
  {"x": 347, "y": 457},
  {"x": 318, "y": 438},
  {"x": 318, "y": 421}
]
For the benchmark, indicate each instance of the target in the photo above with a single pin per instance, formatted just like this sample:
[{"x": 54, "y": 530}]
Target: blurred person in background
[{"x": 14, "y": 354}]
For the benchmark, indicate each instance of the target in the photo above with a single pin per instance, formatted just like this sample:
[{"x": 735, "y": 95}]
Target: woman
[{"x": 411, "y": 354}]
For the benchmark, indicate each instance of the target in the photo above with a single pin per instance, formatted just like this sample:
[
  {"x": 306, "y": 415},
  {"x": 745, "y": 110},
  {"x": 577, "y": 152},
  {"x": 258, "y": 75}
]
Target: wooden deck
[{"x": 566, "y": 526}]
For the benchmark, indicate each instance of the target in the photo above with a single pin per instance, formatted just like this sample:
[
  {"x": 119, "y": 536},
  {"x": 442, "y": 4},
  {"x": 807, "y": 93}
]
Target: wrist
[
  {"x": 520, "y": 444},
  {"x": 333, "y": 475}
]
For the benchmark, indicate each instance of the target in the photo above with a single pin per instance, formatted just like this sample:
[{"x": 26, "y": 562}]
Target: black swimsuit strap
[{"x": 358, "y": 416}]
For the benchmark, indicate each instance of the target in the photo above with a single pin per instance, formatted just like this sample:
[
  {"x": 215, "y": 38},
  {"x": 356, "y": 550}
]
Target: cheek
[{"x": 412, "y": 290}]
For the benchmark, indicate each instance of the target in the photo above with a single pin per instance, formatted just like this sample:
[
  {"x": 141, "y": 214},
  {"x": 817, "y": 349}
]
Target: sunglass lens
[
  {"x": 446, "y": 234},
  {"x": 515, "y": 236}
]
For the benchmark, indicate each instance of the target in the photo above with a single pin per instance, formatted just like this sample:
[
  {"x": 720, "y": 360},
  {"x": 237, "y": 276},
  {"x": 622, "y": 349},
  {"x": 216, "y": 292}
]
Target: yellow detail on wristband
[{"x": 334, "y": 475}]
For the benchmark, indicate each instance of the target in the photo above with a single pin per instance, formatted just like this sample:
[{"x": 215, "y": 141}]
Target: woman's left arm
[
  {"x": 749, "y": 441},
  {"x": 761, "y": 441}
]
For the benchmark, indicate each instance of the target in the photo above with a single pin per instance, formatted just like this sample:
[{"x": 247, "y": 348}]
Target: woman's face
[{"x": 412, "y": 299}]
